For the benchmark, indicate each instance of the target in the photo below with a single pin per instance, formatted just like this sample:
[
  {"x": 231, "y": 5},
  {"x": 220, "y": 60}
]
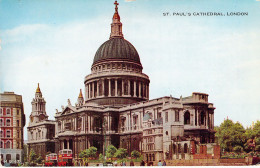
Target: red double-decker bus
[
  {"x": 51, "y": 159},
  {"x": 65, "y": 157}
]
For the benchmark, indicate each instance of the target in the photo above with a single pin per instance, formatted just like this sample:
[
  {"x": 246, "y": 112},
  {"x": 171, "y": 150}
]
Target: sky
[{"x": 53, "y": 42}]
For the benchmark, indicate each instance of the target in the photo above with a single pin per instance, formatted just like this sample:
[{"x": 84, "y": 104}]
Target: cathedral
[{"x": 116, "y": 109}]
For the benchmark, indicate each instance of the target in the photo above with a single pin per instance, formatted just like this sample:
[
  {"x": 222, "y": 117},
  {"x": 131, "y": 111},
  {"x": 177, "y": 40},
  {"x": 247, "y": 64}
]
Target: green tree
[
  {"x": 135, "y": 154},
  {"x": 39, "y": 160},
  {"x": 83, "y": 154},
  {"x": 253, "y": 138},
  {"x": 230, "y": 134},
  {"x": 91, "y": 152},
  {"x": 121, "y": 153},
  {"x": 110, "y": 151},
  {"x": 25, "y": 148},
  {"x": 32, "y": 156}
]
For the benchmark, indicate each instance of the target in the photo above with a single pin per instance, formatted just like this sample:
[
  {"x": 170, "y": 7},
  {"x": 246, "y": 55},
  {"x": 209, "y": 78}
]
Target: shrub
[
  {"x": 121, "y": 153},
  {"x": 135, "y": 154},
  {"x": 238, "y": 149},
  {"x": 111, "y": 150},
  {"x": 101, "y": 157}
]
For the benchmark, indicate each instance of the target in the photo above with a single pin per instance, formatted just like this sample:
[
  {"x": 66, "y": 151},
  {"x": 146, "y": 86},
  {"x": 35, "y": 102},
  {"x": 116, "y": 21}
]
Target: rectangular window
[
  {"x": 18, "y": 134},
  {"x": 179, "y": 148},
  {"x": 1, "y": 122},
  {"x": 17, "y": 111},
  {"x": 135, "y": 120},
  {"x": 8, "y": 111},
  {"x": 1, "y": 111},
  {"x": 177, "y": 116},
  {"x": 8, "y": 133},
  {"x": 166, "y": 117},
  {"x": 18, "y": 123},
  {"x": 1, "y": 133}
]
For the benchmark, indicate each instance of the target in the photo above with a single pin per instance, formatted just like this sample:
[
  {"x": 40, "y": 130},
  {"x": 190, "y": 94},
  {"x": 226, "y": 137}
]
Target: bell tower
[{"x": 38, "y": 108}]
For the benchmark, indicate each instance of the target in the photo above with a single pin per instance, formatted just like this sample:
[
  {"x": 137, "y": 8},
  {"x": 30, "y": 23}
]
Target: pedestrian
[
  {"x": 115, "y": 163},
  {"x": 124, "y": 164},
  {"x": 159, "y": 163},
  {"x": 132, "y": 163},
  {"x": 142, "y": 163},
  {"x": 164, "y": 163}
]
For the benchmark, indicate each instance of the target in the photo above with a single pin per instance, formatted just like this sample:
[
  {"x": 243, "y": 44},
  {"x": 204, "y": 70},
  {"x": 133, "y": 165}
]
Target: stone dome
[{"x": 117, "y": 48}]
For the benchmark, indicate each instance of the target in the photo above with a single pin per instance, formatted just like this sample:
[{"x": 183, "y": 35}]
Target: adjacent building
[
  {"x": 12, "y": 121},
  {"x": 117, "y": 110}
]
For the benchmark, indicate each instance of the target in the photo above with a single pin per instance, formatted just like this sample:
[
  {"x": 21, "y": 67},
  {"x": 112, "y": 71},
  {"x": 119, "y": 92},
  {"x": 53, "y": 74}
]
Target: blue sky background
[{"x": 54, "y": 43}]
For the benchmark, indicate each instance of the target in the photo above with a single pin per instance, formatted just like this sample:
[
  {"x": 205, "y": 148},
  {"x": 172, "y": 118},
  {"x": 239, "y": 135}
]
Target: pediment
[{"x": 67, "y": 110}]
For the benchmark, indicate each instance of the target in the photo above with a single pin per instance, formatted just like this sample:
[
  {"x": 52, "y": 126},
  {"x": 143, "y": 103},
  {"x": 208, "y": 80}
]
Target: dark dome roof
[{"x": 117, "y": 48}]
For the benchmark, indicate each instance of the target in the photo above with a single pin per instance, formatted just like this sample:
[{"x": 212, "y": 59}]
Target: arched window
[
  {"x": 173, "y": 148},
  {"x": 65, "y": 144},
  {"x": 179, "y": 148},
  {"x": 8, "y": 122},
  {"x": 17, "y": 157},
  {"x": 187, "y": 118},
  {"x": 153, "y": 157},
  {"x": 8, "y": 145},
  {"x": 185, "y": 148},
  {"x": 8, "y": 157},
  {"x": 202, "y": 118},
  {"x": 1, "y": 144},
  {"x": 1, "y": 122},
  {"x": 59, "y": 126}
]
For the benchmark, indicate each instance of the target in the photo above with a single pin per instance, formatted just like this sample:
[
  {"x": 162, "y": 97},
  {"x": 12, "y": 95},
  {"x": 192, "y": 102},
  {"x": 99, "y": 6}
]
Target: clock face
[{"x": 42, "y": 117}]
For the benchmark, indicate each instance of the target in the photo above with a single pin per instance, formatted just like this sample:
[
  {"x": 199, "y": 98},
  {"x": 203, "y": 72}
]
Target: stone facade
[
  {"x": 12, "y": 121},
  {"x": 117, "y": 110},
  {"x": 40, "y": 131}
]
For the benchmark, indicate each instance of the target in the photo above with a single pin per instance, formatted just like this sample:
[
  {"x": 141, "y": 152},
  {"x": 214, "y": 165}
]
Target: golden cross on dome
[{"x": 116, "y": 4}]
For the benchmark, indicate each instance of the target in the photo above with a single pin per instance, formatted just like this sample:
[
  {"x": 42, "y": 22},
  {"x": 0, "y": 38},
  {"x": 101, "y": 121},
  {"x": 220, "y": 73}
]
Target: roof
[{"x": 117, "y": 48}]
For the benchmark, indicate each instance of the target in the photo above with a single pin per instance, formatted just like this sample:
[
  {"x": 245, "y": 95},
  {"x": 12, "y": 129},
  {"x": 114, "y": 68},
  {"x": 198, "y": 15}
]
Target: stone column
[
  {"x": 103, "y": 87},
  {"x": 212, "y": 121},
  {"x": 88, "y": 123},
  {"x": 89, "y": 90},
  {"x": 115, "y": 87},
  {"x": 140, "y": 87},
  {"x": 206, "y": 119},
  {"x": 134, "y": 88},
  {"x": 97, "y": 88},
  {"x": 198, "y": 124},
  {"x": 123, "y": 88},
  {"x": 82, "y": 123},
  {"x": 129, "y": 89},
  {"x": 147, "y": 91},
  {"x": 86, "y": 93},
  {"x": 93, "y": 89},
  {"x": 109, "y": 87},
  {"x": 146, "y": 95}
]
